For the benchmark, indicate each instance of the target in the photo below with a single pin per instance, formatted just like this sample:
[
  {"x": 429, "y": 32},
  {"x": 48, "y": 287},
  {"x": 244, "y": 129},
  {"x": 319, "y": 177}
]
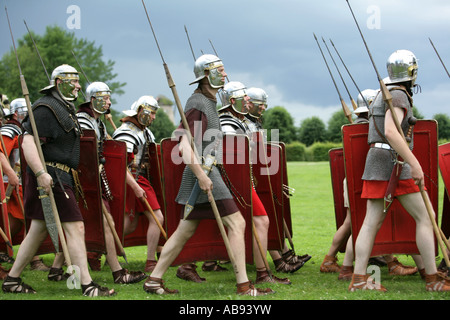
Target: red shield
[
  {"x": 287, "y": 220},
  {"x": 4, "y": 222},
  {"x": 337, "y": 178},
  {"x": 88, "y": 173},
  {"x": 267, "y": 169},
  {"x": 207, "y": 243},
  {"x": 397, "y": 234},
  {"x": 139, "y": 236},
  {"x": 444, "y": 166},
  {"x": 115, "y": 154}
]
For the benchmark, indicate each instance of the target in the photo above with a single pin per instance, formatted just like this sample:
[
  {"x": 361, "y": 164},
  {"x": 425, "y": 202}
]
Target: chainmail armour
[
  {"x": 379, "y": 162},
  {"x": 220, "y": 190}
]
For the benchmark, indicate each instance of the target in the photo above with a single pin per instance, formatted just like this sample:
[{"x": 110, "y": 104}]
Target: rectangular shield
[
  {"x": 444, "y": 166},
  {"x": 337, "y": 171},
  {"x": 115, "y": 154},
  {"x": 207, "y": 243},
  {"x": 397, "y": 234},
  {"x": 267, "y": 170}
]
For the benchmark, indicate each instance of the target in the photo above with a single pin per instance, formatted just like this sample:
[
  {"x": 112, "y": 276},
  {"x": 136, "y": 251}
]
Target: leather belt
[
  {"x": 59, "y": 166},
  {"x": 381, "y": 145}
]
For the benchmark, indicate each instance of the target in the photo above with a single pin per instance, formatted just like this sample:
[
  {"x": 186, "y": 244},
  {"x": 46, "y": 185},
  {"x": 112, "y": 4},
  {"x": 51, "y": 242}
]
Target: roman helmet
[
  {"x": 66, "y": 74},
  {"x": 211, "y": 63},
  {"x": 258, "y": 97},
  {"x": 19, "y": 105},
  {"x": 402, "y": 67},
  {"x": 364, "y": 100},
  {"x": 143, "y": 108},
  {"x": 236, "y": 90},
  {"x": 98, "y": 91}
]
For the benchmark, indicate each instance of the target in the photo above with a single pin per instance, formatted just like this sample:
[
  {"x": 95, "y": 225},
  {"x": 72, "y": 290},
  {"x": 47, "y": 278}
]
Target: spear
[
  {"x": 340, "y": 75},
  {"x": 344, "y": 106},
  {"x": 349, "y": 74},
  {"x": 189, "y": 40},
  {"x": 439, "y": 57},
  {"x": 171, "y": 84},
  {"x": 47, "y": 207},
  {"x": 387, "y": 97}
]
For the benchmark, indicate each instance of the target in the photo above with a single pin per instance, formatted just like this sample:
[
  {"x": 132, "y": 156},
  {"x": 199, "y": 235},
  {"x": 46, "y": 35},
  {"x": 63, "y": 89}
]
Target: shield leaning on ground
[
  {"x": 115, "y": 154},
  {"x": 207, "y": 243},
  {"x": 139, "y": 236},
  {"x": 444, "y": 166},
  {"x": 337, "y": 171},
  {"x": 4, "y": 221},
  {"x": 397, "y": 234},
  {"x": 267, "y": 170}
]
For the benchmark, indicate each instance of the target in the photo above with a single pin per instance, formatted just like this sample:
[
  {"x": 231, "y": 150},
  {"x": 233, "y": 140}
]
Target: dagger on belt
[{"x": 397, "y": 170}]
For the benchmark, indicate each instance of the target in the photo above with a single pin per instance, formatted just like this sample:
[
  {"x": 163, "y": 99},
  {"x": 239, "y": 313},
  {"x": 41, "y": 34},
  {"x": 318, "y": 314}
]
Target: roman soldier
[
  {"x": 98, "y": 102},
  {"x": 135, "y": 133},
  {"x": 387, "y": 147},
  {"x": 59, "y": 134}
]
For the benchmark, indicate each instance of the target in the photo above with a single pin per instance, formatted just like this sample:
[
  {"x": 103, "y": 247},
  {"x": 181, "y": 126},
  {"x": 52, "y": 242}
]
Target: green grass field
[{"x": 313, "y": 225}]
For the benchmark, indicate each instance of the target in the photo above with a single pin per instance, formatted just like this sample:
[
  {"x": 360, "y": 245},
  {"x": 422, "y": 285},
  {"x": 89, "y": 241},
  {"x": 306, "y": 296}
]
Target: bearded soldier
[
  {"x": 386, "y": 145},
  {"x": 233, "y": 120},
  {"x": 201, "y": 108},
  {"x": 98, "y": 102},
  {"x": 135, "y": 133},
  {"x": 59, "y": 133}
]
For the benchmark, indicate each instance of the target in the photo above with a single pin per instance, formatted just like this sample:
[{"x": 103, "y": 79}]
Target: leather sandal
[
  {"x": 283, "y": 266},
  {"x": 123, "y": 276},
  {"x": 16, "y": 285},
  {"x": 346, "y": 273},
  {"x": 150, "y": 265},
  {"x": 364, "y": 282},
  {"x": 57, "y": 274},
  {"x": 329, "y": 265},
  {"x": 187, "y": 272},
  {"x": 156, "y": 286},
  {"x": 212, "y": 266},
  {"x": 263, "y": 276},
  {"x": 396, "y": 268},
  {"x": 247, "y": 289},
  {"x": 94, "y": 290},
  {"x": 290, "y": 257},
  {"x": 436, "y": 282}
]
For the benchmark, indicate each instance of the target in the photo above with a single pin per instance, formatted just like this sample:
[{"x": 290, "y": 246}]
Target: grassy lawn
[{"x": 313, "y": 225}]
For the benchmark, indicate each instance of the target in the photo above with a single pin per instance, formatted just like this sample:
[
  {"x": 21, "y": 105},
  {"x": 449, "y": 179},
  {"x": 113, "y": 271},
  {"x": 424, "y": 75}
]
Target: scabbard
[
  {"x": 49, "y": 218},
  {"x": 392, "y": 185},
  {"x": 192, "y": 199}
]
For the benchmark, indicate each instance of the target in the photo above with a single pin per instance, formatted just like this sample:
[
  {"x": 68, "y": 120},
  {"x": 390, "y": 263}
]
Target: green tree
[
  {"x": 337, "y": 120},
  {"x": 443, "y": 125},
  {"x": 312, "y": 130},
  {"x": 278, "y": 118},
  {"x": 55, "y": 48},
  {"x": 162, "y": 126}
]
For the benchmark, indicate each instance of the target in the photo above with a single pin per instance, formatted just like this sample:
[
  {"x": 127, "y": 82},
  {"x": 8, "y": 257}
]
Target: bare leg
[{"x": 153, "y": 234}]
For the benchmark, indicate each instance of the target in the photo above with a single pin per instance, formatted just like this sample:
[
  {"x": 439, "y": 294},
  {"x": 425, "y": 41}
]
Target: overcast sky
[{"x": 263, "y": 43}]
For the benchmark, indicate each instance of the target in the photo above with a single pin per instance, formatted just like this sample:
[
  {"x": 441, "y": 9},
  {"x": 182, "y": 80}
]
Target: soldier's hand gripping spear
[
  {"x": 387, "y": 97},
  {"x": 48, "y": 201},
  {"x": 194, "y": 149}
]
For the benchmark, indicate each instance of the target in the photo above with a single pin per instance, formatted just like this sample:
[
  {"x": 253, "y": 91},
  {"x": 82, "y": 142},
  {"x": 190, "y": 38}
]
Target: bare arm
[
  {"x": 31, "y": 155},
  {"x": 13, "y": 179},
  {"x": 401, "y": 147},
  {"x": 138, "y": 191}
]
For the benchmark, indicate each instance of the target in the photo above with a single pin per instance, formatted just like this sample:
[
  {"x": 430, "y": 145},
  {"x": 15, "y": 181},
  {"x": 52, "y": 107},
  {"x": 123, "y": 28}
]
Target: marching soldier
[
  {"x": 256, "y": 106},
  {"x": 232, "y": 119},
  {"x": 329, "y": 263},
  {"x": 201, "y": 108},
  {"x": 135, "y": 133},
  {"x": 59, "y": 133},
  {"x": 97, "y": 103},
  {"x": 387, "y": 144}
]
